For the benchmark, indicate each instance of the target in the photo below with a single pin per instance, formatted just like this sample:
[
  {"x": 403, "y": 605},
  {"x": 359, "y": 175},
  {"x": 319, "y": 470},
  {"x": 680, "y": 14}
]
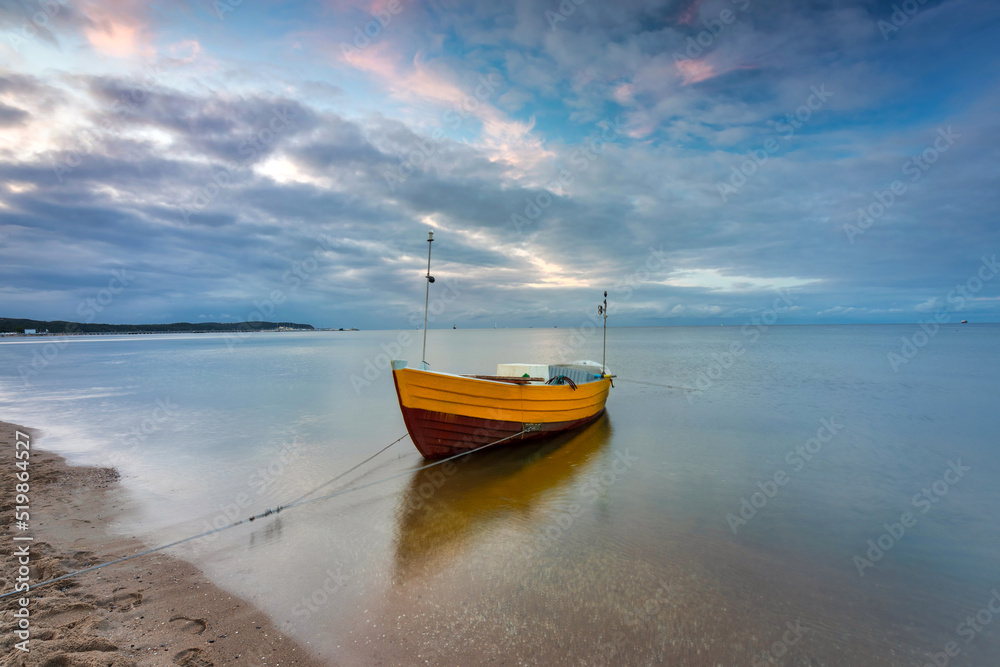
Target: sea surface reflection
[
  {"x": 445, "y": 508},
  {"x": 609, "y": 545}
]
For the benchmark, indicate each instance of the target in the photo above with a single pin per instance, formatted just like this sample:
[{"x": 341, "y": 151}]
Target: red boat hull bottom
[{"x": 439, "y": 434}]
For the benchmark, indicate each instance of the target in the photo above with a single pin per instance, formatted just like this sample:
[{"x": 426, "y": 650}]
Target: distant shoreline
[
  {"x": 241, "y": 332},
  {"x": 26, "y": 327}
]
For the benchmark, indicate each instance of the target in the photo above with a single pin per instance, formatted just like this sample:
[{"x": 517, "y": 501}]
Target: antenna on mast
[
  {"x": 603, "y": 311},
  {"x": 427, "y": 296}
]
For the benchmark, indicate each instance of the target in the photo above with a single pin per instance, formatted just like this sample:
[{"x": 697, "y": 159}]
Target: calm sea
[{"x": 794, "y": 495}]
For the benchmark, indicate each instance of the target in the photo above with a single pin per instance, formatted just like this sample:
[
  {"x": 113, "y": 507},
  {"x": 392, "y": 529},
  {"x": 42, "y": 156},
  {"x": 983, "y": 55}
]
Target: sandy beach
[{"x": 154, "y": 610}]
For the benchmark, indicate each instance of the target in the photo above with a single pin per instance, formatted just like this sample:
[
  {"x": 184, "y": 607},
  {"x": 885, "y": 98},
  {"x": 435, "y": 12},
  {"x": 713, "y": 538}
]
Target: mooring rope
[
  {"x": 655, "y": 384},
  {"x": 347, "y": 472},
  {"x": 405, "y": 472},
  {"x": 299, "y": 502}
]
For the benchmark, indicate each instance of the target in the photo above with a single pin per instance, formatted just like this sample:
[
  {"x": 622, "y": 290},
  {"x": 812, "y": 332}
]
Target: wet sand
[
  {"x": 680, "y": 608},
  {"x": 154, "y": 610}
]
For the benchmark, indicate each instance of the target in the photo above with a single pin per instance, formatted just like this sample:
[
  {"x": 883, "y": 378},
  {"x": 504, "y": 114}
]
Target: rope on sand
[{"x": 298, "y": 502}]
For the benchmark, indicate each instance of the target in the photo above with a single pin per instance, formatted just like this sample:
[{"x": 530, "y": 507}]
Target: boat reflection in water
[{"x": 446, "y": 507}]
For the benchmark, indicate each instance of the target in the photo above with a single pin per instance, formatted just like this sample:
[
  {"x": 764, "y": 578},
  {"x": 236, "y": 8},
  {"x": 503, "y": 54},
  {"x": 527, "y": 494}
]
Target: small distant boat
[
  {"x": 965, "y": 321},
  {"x": 447, "y": 414}
]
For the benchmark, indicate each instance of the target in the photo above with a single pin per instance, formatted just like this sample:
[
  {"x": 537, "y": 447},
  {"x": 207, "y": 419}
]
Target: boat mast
[
  {"x": 427, "y": 296},
  {"x": 603, "y": 311}
]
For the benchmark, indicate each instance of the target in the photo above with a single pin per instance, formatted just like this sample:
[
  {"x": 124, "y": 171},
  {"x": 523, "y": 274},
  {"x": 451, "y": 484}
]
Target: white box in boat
[{"x": 519, "y": 370}]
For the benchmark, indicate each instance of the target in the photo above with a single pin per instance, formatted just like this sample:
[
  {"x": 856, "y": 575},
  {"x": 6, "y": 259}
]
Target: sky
[{"x": 700, "y": 160}]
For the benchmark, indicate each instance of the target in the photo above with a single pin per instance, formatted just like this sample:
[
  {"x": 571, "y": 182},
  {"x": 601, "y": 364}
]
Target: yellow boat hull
[{"x": 447, "y": 414}]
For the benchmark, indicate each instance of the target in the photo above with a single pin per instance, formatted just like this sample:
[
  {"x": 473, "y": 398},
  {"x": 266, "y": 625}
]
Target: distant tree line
[{"x": 8, "y": 324}]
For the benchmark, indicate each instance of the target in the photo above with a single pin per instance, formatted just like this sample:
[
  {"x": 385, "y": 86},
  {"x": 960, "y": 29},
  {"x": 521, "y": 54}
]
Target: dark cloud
[
  {"x": 226, "y": 127},
  {"x": 12, "y": 115},
  {"x": 215, "y": 193}
]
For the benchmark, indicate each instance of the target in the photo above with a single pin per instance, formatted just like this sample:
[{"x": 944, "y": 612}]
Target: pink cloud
[
  {"x": 624, "y": 94},
  {"x": 185, "y": 51},
  {"x": 689, "y": 14},
  {"x": 420, "y": 83},
  {"x": 376, "y": 6},
  {"x": 118, "y": 28},
  {"x": 693, "y": 71}
]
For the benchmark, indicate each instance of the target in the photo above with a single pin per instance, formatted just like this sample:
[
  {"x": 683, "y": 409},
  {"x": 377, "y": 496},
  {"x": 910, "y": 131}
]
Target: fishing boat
[{"x": 447, "y": 413}]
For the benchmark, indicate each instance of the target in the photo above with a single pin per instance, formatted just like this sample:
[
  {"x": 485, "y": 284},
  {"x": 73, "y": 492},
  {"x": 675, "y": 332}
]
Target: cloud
[
  {"x": 118, "y": 28},
  {"x": 12, "y": 115},
  {"x": 689, "y": 14},
  {"x": 212, "y": 159}
]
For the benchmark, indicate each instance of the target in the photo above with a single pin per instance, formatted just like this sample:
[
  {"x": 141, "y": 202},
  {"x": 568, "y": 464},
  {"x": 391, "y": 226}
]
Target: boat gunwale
[{"x": 471, "y": 378}]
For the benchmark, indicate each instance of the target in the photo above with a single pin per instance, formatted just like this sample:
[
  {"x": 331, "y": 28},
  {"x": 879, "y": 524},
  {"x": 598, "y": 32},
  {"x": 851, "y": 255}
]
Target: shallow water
[{"x": 613, "y": 544}]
